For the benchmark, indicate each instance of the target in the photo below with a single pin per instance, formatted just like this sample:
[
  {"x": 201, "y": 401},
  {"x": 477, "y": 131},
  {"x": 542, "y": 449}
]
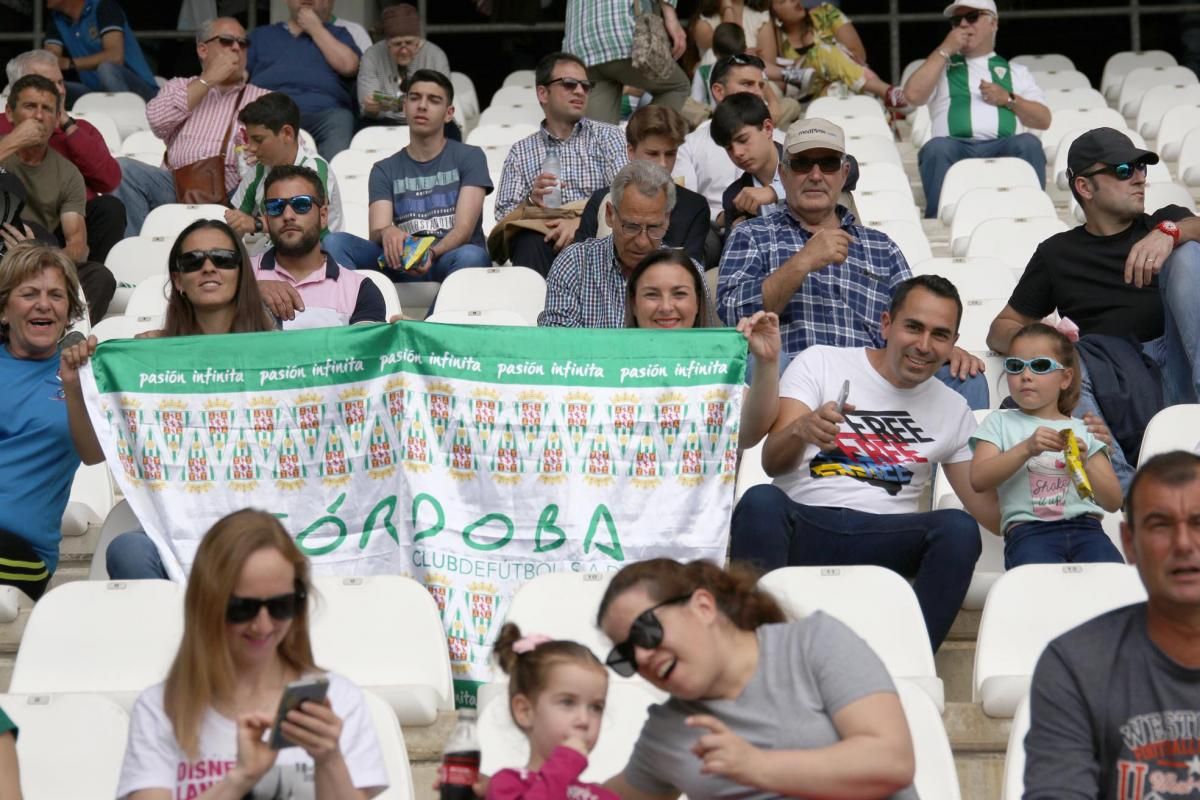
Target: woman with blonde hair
[{"x": 246, "y": 636}]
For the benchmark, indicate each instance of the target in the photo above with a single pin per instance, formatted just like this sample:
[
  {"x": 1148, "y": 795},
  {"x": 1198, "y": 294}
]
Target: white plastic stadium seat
[
  {"x": 874, "y": 150},
  {"x": 507, "y": 114},
  {"x": 1189, "y": 159},
  {"x": 520, "y": 77},
  {"x": 487, "y": 316},
  {"x": 909, "y": 236},
  {"x": 495, "y": 155},
  {"x": 1014, "y": 757},
  {"x": 936, "y": 777},
  {"x": 353, "y": 171},
  {"x": 149, "y": 299},
  {"x": 990, "y": 565},
  {"x": 922, "y": 127},
  {"x": 126, "y": 109},
  {"x": 90, "y": 501},
  {"x": 1087, "y": 118},
  {"x": 518, "y": 289},
  {"x": 1139, "y": 81},
  {"x": 978, "y": 314},
  {"x": 1030, "y": 605},
  {"x": 515, "y": 95},
  {"x": 982, "y": 173},
  {"x": 392, "y": 747},
  {"x": 136, "y": 258},
  {"x": 70, "y": 745},
  {"x": 1121, "y": 64},
  {"x": 875, "y": 603},
  {"x": 119, "y": 520},
  {"x": 750, "y": 471},
  {"x": 113, "y": 638},
  {"x": 500, "y": 134},
  {"x": 416, "y": 297},
  {"x": 1157, "y": 101},
  {"x": 1173, "y": 428},
  {"x": 123, "y": 327},
  {"x": 406, "y": 662},
  {"x": 1044, "y": 62},
  {"x": 465, "y": 96},
  {"x": 1064, "y": 99},
  {"x": 356, "y": 219},
  {"x": 106, "y": 125},
  {"x": 387, "y": 138},
  {"x": 563, "y": 605},
  {"x": 855, "y": 105},
  {"x": 1012, "y": 240},
  {"x": 862, "y": 124},
  {"x": 1174, "y": 126},
  {"x": 976, "y": 278},
  {"x": 979, "y": 205},
  {"x": 170, "y": 219},
  {"x": 883, "y": 176},
  {"x": 144, "y": 146},
  {"x": 391, "y": 300},
  {"x": 887, "y": 204},
  {"x": 1061, "y": 79}
]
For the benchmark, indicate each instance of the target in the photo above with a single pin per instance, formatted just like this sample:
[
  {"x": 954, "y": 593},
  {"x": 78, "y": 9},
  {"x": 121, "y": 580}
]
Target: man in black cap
[{"x": 1122, "y": 272}]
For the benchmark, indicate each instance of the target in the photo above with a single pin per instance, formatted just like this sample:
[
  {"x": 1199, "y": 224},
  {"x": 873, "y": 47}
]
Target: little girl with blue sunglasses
[{"x": 1022, "y": 453}]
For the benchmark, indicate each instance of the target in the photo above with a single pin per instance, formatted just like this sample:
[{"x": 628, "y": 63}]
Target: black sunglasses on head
[
  {"x": 193, "y": 260},
  {"x": 1121, "y": 172},
  {"x": 971, "y": 17},
  {"x": 281, "y": 607},
  {"x": 646, "y": 632}
]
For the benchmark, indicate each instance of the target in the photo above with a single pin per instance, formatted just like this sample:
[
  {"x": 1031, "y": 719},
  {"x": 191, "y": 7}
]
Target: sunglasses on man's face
[
  {"x": 646, "y": 632},
  {"x": 827, "y": 165},
  {"x": 1042, "y": 365},
  {"x": 1121, "y": 172},
  {"x": 281, "y": 607},
  {"x": 227, "y": 40},
  {"x": 571, "y": 84},
  {"x": 971, "y": 17},
  {"x": 301, "y": 204},
  {"x": 193, "y": 260}
]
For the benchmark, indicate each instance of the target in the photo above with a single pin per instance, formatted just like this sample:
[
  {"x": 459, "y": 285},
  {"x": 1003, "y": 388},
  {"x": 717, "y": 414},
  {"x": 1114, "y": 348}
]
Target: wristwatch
[
  {"x": 1169, "y": 228},
  {"x": 1012, "y": 101}
]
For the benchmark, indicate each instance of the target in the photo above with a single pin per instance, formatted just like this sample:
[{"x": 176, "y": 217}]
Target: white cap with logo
[
  {"x": 812, "y": 134},
  {"x": 977, "y": 5}
]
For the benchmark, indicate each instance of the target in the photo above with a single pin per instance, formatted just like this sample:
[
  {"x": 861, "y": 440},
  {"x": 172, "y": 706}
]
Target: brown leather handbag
[{"x": 203, "y": 181}]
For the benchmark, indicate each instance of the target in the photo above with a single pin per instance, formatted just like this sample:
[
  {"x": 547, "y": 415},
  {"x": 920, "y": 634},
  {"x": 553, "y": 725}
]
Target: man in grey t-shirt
[{"x": 1115, "y": 703}]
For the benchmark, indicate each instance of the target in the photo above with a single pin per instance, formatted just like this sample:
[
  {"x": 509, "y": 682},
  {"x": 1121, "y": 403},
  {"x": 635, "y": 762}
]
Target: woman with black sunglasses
[
  {"x": 245, "y": 637},
  {"x": 759, "y": 707}
]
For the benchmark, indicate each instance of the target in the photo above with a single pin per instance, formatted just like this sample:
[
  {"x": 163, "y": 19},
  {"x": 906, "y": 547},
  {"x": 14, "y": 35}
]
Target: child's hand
[
  {"x": 1045, "y": 440},
  {"x": 576, "y": 743}
]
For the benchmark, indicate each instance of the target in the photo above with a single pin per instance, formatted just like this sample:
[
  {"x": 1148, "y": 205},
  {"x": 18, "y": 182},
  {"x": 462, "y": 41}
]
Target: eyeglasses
[
  {"x": 193, "y": 260},
  {"x": 1121, "y": 172},
  {"x": 632, "y": 229},
  {"x": 646, "y": 632},
  {"x": 281, "y": 607},
  {"x": 229, "y": 41},
  {"x": 571, "y": 84},
  {"x": 301, "y": 204},
  {"x": 828, "y": 165},
  {"x": 971, "y": 17},
  {"x": 405, "y": 44},
  {"x": 1042, "y": 365}
]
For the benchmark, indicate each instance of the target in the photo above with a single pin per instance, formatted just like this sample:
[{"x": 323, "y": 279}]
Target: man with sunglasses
[
  {"x": 301, "y": 283},
  {"x": 1123, "y": 272},
  {"x": 977, "y": 100},
  {"x": 92, "y": 38},
  {"x": 589, "y": 155},
  {"x": 191, "y": 115}
]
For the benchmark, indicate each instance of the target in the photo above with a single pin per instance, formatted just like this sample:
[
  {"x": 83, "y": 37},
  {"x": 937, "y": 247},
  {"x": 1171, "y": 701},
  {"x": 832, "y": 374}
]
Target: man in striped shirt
[{"x": 977, "y": 100}]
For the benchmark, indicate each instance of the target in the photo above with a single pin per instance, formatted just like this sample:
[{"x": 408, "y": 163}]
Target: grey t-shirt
[
  {"x": 1111, "y": 716},
  {"x": 808, "y": 670}
]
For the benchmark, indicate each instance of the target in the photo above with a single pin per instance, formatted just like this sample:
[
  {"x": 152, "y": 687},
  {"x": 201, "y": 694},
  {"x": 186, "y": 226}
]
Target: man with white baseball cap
[{"x": 978, "y": 101}]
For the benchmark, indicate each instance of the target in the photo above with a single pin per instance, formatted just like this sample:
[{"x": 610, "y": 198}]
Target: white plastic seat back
[
  {"x": 138, "y": 258},
  {"x": 126, "y": 109},
  {"x": 392, "y": 747},
  {"x": 922, "y": 127},
  {"x": 515, "y": 95},
  {"x": 563, "y": 605},
  {"x": 391, "y": 300},
  {"x": 1157, "y": 101},
  {"x": 120, "y": 519},
  {"x": 980, "y": 205},
  {"x": 1044, "y": 62},
  {"x": 417, "y": 296},
  {"x": 486, "y": 316},
  {"x": 511, "y": 115},
  {"x": 1173, "y": 428},
  {"x": 909, "y": 236},
  {"x": 406, "y": 662},
  {"x": 883, "y": 176},
  {"x": 1176, "y": 123},
  {"x": 978, "y": 313},
  {"x": 69, "y": 745},
  {"x": 520, "y": 77},
  {"x": 750, "y": 471},
  {"x": 852, "y": 106},
  {"x": 1139, "y": 81},
  {"x": 1064, "y": 99},
  {"x": 113, "y": 638},
  {"x": 144, "y": 146},
  {"x": 495, "y": 155},
  {"x": 1014, "y": 757},
  {"x": 886, "y": 204},
  {"x": 500, "y": 133},
  {"x": 1013, "y": 241},
  {"x": 353, "y": 171},
  {"x": 387, "y": 138},
  {"x": 873, "y": 150},
  {"x": 936, "y": 776},
  {"x": 1121, "y": 64},
  {"x": 982, "y": 173},
  {"x": 909, "y": 69},
  {"x": 90, "y": 500},
  {"x": 170, "y": 219},
  {"x": 356, "y": 219},
  {"x": 1070, "y": 119},
  {"x": 975, "y": 277},
  {"x": 1061, "y": 79},
  {"x": 105, "y": 124},
  {"x": 518, "y": 289},
  {"x": 875, "y": 603},
  {"x": 123, "y": 327},
  {"x": 1189, "y": 159},
  {"x": 149, "y": 299},
  {"x": 862, "y": 124},
  {"x": 1031, "y": 605},
  {"x": 466, "y": 98}
]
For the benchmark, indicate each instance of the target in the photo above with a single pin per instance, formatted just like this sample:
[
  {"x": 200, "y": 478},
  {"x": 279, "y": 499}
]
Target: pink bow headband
[{"x": 530, "y": 642}]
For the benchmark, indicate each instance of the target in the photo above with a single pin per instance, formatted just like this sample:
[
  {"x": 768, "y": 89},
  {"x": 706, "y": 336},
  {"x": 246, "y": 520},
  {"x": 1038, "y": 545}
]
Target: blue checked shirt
[
  {"x": 600, "y": 30},
  {"x": 590, "y": 157},
  {"x": 839, "y": 305}
]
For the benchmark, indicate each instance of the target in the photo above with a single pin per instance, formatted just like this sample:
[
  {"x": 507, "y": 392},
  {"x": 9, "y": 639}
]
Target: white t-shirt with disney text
[
  {"x": 153, "y": 759},
  {"x": 889, "y": 442}
]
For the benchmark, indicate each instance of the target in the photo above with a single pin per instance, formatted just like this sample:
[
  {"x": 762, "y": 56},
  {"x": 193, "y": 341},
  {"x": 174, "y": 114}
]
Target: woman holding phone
[{"x": 203, "y": 733}]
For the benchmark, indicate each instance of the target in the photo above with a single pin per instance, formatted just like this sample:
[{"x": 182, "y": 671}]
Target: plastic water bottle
[
  {"x": 551, "y": 165},
  {"x": 460, "y": 759}
]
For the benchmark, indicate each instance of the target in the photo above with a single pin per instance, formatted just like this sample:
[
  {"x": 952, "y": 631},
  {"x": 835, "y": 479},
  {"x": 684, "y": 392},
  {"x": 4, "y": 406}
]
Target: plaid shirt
[
  {"x": 585, "y": 287},
  {"x": 600, "y": 30},
  {"x": 590, "y": 157},
  {"x": 839, "y": 305}
]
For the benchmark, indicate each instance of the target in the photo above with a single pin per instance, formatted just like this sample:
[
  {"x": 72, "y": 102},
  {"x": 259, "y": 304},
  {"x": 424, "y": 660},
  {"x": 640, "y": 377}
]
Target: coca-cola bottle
[{"x": 460, "y": 759}]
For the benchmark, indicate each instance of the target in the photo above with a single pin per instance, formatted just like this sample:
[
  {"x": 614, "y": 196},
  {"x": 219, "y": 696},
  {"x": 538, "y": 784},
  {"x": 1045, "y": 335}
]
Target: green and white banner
[{"x": 470, "y": 458}]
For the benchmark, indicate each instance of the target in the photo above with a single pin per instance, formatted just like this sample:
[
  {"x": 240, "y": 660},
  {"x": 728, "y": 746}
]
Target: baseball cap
[
  {"x": 978, "y": 5},
  {"x": 813, "y": 133},
  {"x": 1105, "y": 146}
]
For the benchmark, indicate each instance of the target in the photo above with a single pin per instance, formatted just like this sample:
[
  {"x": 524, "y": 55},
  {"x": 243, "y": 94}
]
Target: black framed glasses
[
  {"x": 971, "y": 17},
  {"x": 1042, "y": 365},
  {"x": 281, "y": 607},
  {"x": 301, "y": 204},
  {"x": 802, "y": 165},
  {"x": 193, "y": 260},
  {"x": 646, "y": 632},
  {"x": 1121, "y": 172},
  {"x": 228, "y": 40},
  {"x": 571, "y": 84}
]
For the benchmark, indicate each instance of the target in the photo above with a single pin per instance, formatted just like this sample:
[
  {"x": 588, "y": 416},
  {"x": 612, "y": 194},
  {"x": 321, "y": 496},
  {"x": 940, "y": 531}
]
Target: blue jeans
[
  {"x": 353, "y": 252},
  {"x": 974, "y": 389},
  {"x": 331, "y": 128},
  {"x": 937, "y": 548},
  {"x": 940, "y": 153},
  {"x": 132, "y": 556},
  {"x": 142, "y": 188},
  {"x": 113, "y": 78},
  {"x": 1081, "y": 540}
]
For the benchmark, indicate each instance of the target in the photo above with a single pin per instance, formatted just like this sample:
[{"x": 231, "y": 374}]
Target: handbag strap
[{"x": 233, "y": 121}]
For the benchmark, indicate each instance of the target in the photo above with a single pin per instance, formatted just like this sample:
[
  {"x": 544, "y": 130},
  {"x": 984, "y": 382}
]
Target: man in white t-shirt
[
  {"x": 978, "y": 101},
  {"x": 848, "y": 483}
]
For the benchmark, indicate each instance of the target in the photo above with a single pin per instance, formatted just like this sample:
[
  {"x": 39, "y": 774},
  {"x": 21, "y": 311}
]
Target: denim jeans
[
  {"x": 353, "y": 252},
  {"x": 1081, "y": 540},
  {"x": 331, "y": 128},
  {"x": 942, "y": 152},
  {"x": 937, "y": 548},
  {"x": 142, "y": 188},
  {"x": 131, "y": 556},
  {"x": 113, "y": 78}
]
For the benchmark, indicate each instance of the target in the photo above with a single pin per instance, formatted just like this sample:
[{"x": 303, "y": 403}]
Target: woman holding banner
[
  {"x": 758, "y": 706},
  {"x": 213, "y": 291},
  {"x": 245, "y": 639},
  {"x": 39, "y": 299},
  {"x": 665, "y": 291}
]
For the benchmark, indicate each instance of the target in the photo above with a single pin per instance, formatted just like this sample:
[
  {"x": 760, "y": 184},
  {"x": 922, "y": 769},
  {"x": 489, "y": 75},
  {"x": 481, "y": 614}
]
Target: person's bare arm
[
  {"x": 1004, "y": 327},
  {"x": 113, "y": 43},
  {"x": 339, "y": 56},
  {"x": 1105, "y": 484},
  {"x": 466, "y": 216},
  {"x": 75, "y": 233},
  {"x": 702, "y": 34},
  {"x": 83, "y": 435},
  {"x": 920, "y": 85},
  {"x": 10, "y": 775},
  {"x": 983, "y": 506},
  {"x": 796, "y": 427},
  {"x": 827, "y": 246},
  {"x": 848, "y": 37},
  {"x": 760, "y": 404}
]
